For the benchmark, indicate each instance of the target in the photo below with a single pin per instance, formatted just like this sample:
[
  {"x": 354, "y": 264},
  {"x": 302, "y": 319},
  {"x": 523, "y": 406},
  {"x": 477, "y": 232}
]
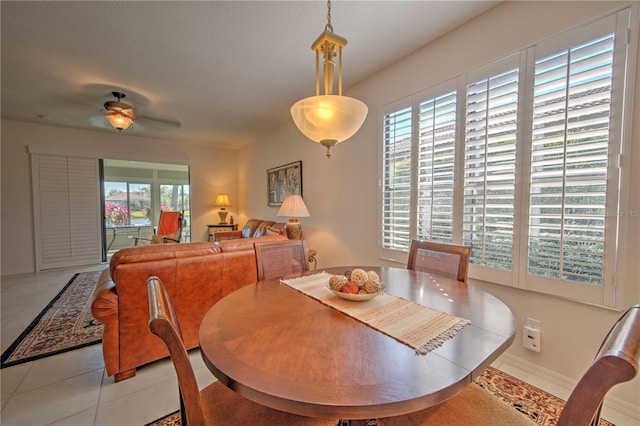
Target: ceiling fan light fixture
[
  {"x": 119, "y": 121},
  {"x": 329, "y": 118},
  {"x": 121, "y": 114}
]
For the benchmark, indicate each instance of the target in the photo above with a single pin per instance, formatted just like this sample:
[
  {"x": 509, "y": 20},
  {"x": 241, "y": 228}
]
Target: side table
[{"x": 221, "y": 227}]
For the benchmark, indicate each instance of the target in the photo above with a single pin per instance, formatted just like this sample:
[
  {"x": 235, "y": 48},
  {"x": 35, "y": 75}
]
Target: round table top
[{"x": 288, "y": 351}]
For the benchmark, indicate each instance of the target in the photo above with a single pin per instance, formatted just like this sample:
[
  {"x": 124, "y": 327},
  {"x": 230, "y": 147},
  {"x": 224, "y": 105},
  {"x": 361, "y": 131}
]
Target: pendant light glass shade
[
  {"x": 119, "y": 121},
  {"x": 329, "y": 119}
]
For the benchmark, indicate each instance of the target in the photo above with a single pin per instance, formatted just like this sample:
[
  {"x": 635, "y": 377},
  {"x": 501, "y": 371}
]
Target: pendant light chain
[{"x": 328, "y": 27}]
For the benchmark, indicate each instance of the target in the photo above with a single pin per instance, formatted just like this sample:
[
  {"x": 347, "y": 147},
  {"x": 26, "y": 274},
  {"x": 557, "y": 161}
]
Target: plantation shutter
[
  {"x": 436, "y": 161},
  {"x": 396, "y": 179},
  {"x": 66, "y": 211},
  {"x": 569, "y": 162},
  {"x": 490, "y": 168},
  {"x": 574, "y": 161}
]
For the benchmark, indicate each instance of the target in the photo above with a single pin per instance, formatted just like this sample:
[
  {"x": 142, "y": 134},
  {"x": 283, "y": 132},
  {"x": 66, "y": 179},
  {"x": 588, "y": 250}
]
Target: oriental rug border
[{"x": 64, "y": 325}]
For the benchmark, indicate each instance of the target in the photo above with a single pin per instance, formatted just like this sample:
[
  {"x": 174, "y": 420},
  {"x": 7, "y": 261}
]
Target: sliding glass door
[{"x": 134, "y": 194}]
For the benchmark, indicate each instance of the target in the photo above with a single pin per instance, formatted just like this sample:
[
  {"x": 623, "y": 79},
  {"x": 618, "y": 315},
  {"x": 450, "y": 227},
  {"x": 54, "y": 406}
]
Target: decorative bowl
[{"x": 360, "y": 297}]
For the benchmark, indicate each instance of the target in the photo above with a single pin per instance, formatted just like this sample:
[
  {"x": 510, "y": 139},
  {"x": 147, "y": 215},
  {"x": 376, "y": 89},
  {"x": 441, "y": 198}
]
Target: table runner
[{"x": 419, "y": 327}]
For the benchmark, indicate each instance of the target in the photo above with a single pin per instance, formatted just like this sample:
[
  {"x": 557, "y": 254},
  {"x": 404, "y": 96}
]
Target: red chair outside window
[{"x": 169, "y": 229}]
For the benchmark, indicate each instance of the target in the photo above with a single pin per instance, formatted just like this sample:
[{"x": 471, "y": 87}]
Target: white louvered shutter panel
[
  {"x": 396, "y": 180},
  {"x": 66, "y": 210},
  {"x": 567, "y": 205},
  {"x": 436, "y": 161},
  {"x": 490, "y": 169}
]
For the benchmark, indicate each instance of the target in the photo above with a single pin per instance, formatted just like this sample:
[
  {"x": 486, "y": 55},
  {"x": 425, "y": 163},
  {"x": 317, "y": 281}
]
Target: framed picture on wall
[{"x": 282, "y": 181}]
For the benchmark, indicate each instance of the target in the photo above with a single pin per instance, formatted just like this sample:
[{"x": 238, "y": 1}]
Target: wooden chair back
[
  {"x": 163, "y": 322},
  {"x": 450, "y": 260},
  {"x": 616, "y": 362},
  {"x": 281, "y": 258}
]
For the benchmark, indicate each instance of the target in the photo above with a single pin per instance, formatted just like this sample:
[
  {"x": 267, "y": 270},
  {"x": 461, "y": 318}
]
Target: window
[
  {"x": 127, "y": 203},
  {"x": 490, "y": 166},
  {"x": 570, "y": 141},
  {"x": 134, "y": 195},
  {"x": 174, "y": 197},
  {"x": 396, "y": 203},
  {"x": 436, "y": 160},
  {"x": 519, "y": 159}
]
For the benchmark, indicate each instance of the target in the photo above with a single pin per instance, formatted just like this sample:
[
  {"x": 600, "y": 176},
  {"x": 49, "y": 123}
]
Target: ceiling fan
[{"x": 122, "y": 117}]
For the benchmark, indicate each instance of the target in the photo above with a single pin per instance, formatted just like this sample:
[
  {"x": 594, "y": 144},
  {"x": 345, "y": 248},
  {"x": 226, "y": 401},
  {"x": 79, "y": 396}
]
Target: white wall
[
  {"x": 342, "y": 192},
  {"x": 211, "y": 171}
]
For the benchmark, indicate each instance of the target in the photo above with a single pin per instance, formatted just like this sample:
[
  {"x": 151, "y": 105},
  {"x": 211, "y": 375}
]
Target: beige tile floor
[{"x": 73, "y": 389}]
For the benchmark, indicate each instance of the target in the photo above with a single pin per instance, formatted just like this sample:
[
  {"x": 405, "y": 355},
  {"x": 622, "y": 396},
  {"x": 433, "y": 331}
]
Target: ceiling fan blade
[
  {"x": 159, "y": 122},
  {"x": 100, "y": 121}
]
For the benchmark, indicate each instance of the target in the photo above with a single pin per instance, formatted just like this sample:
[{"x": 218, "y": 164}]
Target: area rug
[
  {"x": 64, "y": 325},
  {"x": 538, "y": 405},
  {"x": 541, "y": 407}
]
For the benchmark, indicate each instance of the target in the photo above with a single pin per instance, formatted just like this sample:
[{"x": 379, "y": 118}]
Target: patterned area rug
[
  {"x": 65, "y": 324},
  {"x": 540, "y": 406}
]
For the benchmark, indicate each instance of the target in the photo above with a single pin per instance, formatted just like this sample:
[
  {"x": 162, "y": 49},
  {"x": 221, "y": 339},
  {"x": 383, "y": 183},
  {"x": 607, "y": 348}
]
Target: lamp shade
[
  {"x": 222, "y": 200},
  {"x": 329, "y": 117},
  {"x": 293, "y": 206}
]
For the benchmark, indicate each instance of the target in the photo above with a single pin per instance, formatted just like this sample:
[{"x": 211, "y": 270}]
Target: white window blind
[
  {"x": 396, "y": 180},
  {"x": 572, "y": 96},
  {"x": 490, "y": 169},
  {"x": 66, "y": 211},
  {"x": 436, "y": 168}
]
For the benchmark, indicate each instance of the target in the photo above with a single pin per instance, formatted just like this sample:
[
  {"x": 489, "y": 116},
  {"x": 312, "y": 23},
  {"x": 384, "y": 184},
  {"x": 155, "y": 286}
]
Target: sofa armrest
[{"x": 104, "y": 306}]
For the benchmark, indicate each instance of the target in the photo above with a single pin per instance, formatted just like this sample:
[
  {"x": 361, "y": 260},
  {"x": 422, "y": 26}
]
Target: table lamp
[
  {"x": 293, "y": 206},
  {"x": 222, "y": 201}
]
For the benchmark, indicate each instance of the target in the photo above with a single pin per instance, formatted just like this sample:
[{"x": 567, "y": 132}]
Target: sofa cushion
[
  {"x": 250, "y": 227},
  {"x": 261, "y": 230},
  {"x": 272, "y": 231}
]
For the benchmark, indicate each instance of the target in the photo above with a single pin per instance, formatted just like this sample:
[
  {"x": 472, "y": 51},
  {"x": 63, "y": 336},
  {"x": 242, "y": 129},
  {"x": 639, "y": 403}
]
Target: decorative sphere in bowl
[{"x": 359, "y": 293}]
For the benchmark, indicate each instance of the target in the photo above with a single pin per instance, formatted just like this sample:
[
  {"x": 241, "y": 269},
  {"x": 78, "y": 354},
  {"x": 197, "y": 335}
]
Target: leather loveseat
[
  {"x": 254, "y": 228},
  {"x": 196, "y": 276}
]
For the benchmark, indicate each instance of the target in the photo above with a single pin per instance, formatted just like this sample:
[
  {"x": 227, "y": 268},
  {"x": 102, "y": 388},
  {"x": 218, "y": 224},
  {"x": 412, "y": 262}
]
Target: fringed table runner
[{"x": 419, "y": 327}]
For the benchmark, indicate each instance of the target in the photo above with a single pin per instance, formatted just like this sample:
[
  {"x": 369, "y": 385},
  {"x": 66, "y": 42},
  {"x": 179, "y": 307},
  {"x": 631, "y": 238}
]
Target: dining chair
[
  {"x": 169, "y": 230},
  {"x": 281, "y": 258},
  {"x": 450, "y": 260},
  {"x": 616, "y": 362},
  {"x": 216, "y": 404}
]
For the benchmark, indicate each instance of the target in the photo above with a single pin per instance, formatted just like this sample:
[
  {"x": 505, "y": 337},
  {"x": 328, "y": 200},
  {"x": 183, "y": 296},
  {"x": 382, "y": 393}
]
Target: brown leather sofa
[
  {"x": 254, "y": 228},
  {"x": 196, "y": 276}
]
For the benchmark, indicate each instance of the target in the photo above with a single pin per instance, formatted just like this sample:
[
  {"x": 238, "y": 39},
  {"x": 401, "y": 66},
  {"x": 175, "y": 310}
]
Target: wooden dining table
[{"x": 286, "y": 350}]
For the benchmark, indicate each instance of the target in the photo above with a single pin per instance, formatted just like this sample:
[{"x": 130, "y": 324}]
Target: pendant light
[{"x": 329, "y": 118}]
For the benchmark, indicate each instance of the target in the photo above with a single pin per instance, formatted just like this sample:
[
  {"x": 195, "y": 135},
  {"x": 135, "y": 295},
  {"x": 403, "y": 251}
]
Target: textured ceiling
[{"x": 226, "y": 70}]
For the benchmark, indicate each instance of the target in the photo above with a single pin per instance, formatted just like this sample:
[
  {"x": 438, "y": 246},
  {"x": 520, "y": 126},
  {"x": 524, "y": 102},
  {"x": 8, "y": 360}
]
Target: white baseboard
[{"x": 611, "y": 402}]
